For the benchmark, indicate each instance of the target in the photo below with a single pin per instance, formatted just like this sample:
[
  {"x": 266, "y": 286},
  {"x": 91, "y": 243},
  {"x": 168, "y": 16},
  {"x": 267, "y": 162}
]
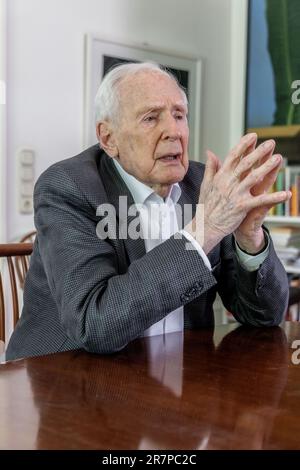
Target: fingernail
[
  {"x": 250, "y": 137},
  {"x": 268, "y": 144},
  {"x": 276, "y": 158}
]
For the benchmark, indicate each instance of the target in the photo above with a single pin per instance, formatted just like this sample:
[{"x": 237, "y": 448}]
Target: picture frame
[{"x": 101, "y": 55}]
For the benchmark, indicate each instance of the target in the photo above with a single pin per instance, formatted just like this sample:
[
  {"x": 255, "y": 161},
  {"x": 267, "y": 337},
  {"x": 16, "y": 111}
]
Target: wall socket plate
[{"x": 26, "y": 163}]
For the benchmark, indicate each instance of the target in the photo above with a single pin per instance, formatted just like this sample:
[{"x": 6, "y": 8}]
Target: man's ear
[{"x": 106, "y": 138}]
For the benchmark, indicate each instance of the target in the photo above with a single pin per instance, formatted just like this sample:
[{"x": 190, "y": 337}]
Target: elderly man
[{"x": 85, "y": 290}]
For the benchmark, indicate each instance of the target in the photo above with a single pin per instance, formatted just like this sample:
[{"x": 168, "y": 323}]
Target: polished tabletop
[{"x": 228, "y": 388}]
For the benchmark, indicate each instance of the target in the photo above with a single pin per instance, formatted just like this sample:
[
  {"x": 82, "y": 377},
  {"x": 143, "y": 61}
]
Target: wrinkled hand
[
  {"x": 249, "y": 234},
  {"x": 233, "y": 194}
]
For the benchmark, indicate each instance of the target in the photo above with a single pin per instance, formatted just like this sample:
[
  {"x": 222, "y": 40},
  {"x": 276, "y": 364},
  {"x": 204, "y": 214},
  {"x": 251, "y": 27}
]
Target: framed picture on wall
[{"x": 102, "y": 55}]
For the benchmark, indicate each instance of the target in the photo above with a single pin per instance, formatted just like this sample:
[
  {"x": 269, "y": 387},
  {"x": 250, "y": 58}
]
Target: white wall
[
  {"x": 2, "y": 120},
  {"x": 45, "y": 70}
]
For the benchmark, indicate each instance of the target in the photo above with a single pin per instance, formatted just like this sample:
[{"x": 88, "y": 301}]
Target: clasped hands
[{"x": 235, "y": 197}]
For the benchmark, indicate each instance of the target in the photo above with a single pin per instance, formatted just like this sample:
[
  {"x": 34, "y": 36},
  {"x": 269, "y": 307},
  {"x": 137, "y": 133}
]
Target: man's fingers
[
  {"x": 211, "y": 167},
  {"x": 267, "y": 182},
  {"x": 240, "y": 149},
  {"x": 259, "y": 156},
  {"x": 214, "y": 157},
  {"x": 269, "y": 199},
  {"x": 251, "y": 147},
  {"x": 265, "y": 149},
  {"x": 257, "y": 176}
]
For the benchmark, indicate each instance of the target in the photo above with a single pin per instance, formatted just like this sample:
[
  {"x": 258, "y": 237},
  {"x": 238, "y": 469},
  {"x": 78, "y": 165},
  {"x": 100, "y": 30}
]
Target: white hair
[{"x": 107, "y": 101}]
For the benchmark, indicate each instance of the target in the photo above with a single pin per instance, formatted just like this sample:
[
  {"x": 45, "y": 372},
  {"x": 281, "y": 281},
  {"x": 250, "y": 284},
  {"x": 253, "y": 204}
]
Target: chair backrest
[
  {"x": 22, "y": 262},
  {"x": 11, "y": 251},
  {"x": 29, "y": 237}
]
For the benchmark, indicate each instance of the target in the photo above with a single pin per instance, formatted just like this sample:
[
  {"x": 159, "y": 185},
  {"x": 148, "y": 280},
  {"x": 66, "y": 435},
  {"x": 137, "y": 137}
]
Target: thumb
[
  {"x": 216, "y": 159},
  {"x": 212, "y": 166}
]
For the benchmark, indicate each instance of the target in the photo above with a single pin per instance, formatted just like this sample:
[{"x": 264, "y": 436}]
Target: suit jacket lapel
[
  {"x": 115, "y": 187},
  {"x": 186, "y": 200}
]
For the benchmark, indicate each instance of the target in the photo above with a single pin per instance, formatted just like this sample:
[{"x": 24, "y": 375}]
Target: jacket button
[
  {"x": 198, "y": 285},
  {"x": 184, "y": 297},
  {"x": 194, "y": 290}
]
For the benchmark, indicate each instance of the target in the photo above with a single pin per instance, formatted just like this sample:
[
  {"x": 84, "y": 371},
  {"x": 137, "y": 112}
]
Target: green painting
[{"x": 273, "y": 78}]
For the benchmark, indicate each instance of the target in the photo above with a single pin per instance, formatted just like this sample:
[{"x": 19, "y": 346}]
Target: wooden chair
[
  {"x": 22, "y": 262},
  {"x": 11, "y": 251}
]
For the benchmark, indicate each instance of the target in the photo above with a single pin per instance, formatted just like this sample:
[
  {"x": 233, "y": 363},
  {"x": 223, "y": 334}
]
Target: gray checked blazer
[{"x": 84, "y": 292}]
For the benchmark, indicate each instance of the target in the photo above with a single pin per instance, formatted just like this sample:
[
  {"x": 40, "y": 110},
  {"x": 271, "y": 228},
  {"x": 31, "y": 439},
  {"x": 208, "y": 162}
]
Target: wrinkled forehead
[{"x": 149, "y": 86}]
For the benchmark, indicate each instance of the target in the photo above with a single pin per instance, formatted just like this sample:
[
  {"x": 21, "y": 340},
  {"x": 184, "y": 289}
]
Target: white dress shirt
[{"x": 158, "y": 223}]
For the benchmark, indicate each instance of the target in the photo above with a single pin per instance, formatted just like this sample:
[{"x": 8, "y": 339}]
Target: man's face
[{"x": 152, "y": 133}]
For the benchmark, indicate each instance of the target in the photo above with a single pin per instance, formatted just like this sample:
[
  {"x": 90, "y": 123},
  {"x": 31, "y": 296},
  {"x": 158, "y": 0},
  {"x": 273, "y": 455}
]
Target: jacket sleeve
[
  {"x": 101, "y": 308},
  {"x": 257, "y": 298}
]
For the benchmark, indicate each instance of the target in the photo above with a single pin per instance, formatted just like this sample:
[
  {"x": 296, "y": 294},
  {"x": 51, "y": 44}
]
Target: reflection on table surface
[{"x": 228, "y": 388}]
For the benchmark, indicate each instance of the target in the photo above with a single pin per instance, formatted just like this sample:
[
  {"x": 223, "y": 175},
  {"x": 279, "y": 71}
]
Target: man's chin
[{"x": 175, "y": 176}]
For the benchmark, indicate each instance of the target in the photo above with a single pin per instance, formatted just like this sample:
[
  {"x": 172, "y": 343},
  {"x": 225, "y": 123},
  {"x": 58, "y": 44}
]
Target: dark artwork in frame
[{"x": 182, "y": 76}]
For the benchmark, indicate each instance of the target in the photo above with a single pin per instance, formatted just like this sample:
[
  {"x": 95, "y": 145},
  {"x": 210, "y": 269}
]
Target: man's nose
[{"x": 170, "y": 129}]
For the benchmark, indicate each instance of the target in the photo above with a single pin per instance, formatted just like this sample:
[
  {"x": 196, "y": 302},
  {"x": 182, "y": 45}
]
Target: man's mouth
[{"x": 170, "y": 157}]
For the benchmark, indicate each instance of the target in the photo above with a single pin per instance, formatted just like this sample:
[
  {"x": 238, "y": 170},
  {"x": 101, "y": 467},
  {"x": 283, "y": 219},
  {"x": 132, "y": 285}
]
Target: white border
[
  {"x": 96, "y": 47},
  {"x": 3, "y": 45}
]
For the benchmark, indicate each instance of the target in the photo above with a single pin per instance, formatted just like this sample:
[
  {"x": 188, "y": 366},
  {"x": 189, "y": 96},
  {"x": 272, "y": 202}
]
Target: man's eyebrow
[
  {"x": 152, "y": 108},
  {"x": 149, "y": 109}
]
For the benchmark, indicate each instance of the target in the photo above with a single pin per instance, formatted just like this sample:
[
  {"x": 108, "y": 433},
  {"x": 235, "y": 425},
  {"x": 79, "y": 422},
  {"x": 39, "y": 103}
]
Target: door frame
[
  {"x": 238, "y": 67},
  {"x": 3, "y": 112}
]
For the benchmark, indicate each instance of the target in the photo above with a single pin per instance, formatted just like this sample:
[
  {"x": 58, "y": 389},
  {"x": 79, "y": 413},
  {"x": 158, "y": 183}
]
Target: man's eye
[
  {"x": 149, "y": 118},
  {"x": 179, "y": 117}
]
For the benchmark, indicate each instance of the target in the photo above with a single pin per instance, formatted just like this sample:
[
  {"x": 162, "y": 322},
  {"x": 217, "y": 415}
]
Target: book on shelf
[
  {"x": 286, "y": 241},
  {"x": 285, "y": 236},
  {"x": 280, "y": 185},
  {"x": 288, "y": 179}
]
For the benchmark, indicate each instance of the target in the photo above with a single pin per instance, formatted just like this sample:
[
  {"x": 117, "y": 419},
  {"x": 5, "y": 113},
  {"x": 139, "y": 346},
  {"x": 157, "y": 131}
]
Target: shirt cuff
[
  {"x": 196, "y": 246},
  {"x": 252, "y": 262}
]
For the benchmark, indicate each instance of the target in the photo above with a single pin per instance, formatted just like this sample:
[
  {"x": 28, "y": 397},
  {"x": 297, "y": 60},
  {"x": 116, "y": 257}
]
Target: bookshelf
[
  {"x": 283, "y": 220},
  {"x": 276, "y": 132},
  {"x": 291, "y": 269},
  {"x": 287, "y": 140}
]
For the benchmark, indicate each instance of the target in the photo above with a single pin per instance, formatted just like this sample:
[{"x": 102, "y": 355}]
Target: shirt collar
[{"x": 142, "y": 193}]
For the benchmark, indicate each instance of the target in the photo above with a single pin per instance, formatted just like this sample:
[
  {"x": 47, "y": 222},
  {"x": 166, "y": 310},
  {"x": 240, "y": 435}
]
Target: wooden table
[{"x": 231, "y": 388}]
